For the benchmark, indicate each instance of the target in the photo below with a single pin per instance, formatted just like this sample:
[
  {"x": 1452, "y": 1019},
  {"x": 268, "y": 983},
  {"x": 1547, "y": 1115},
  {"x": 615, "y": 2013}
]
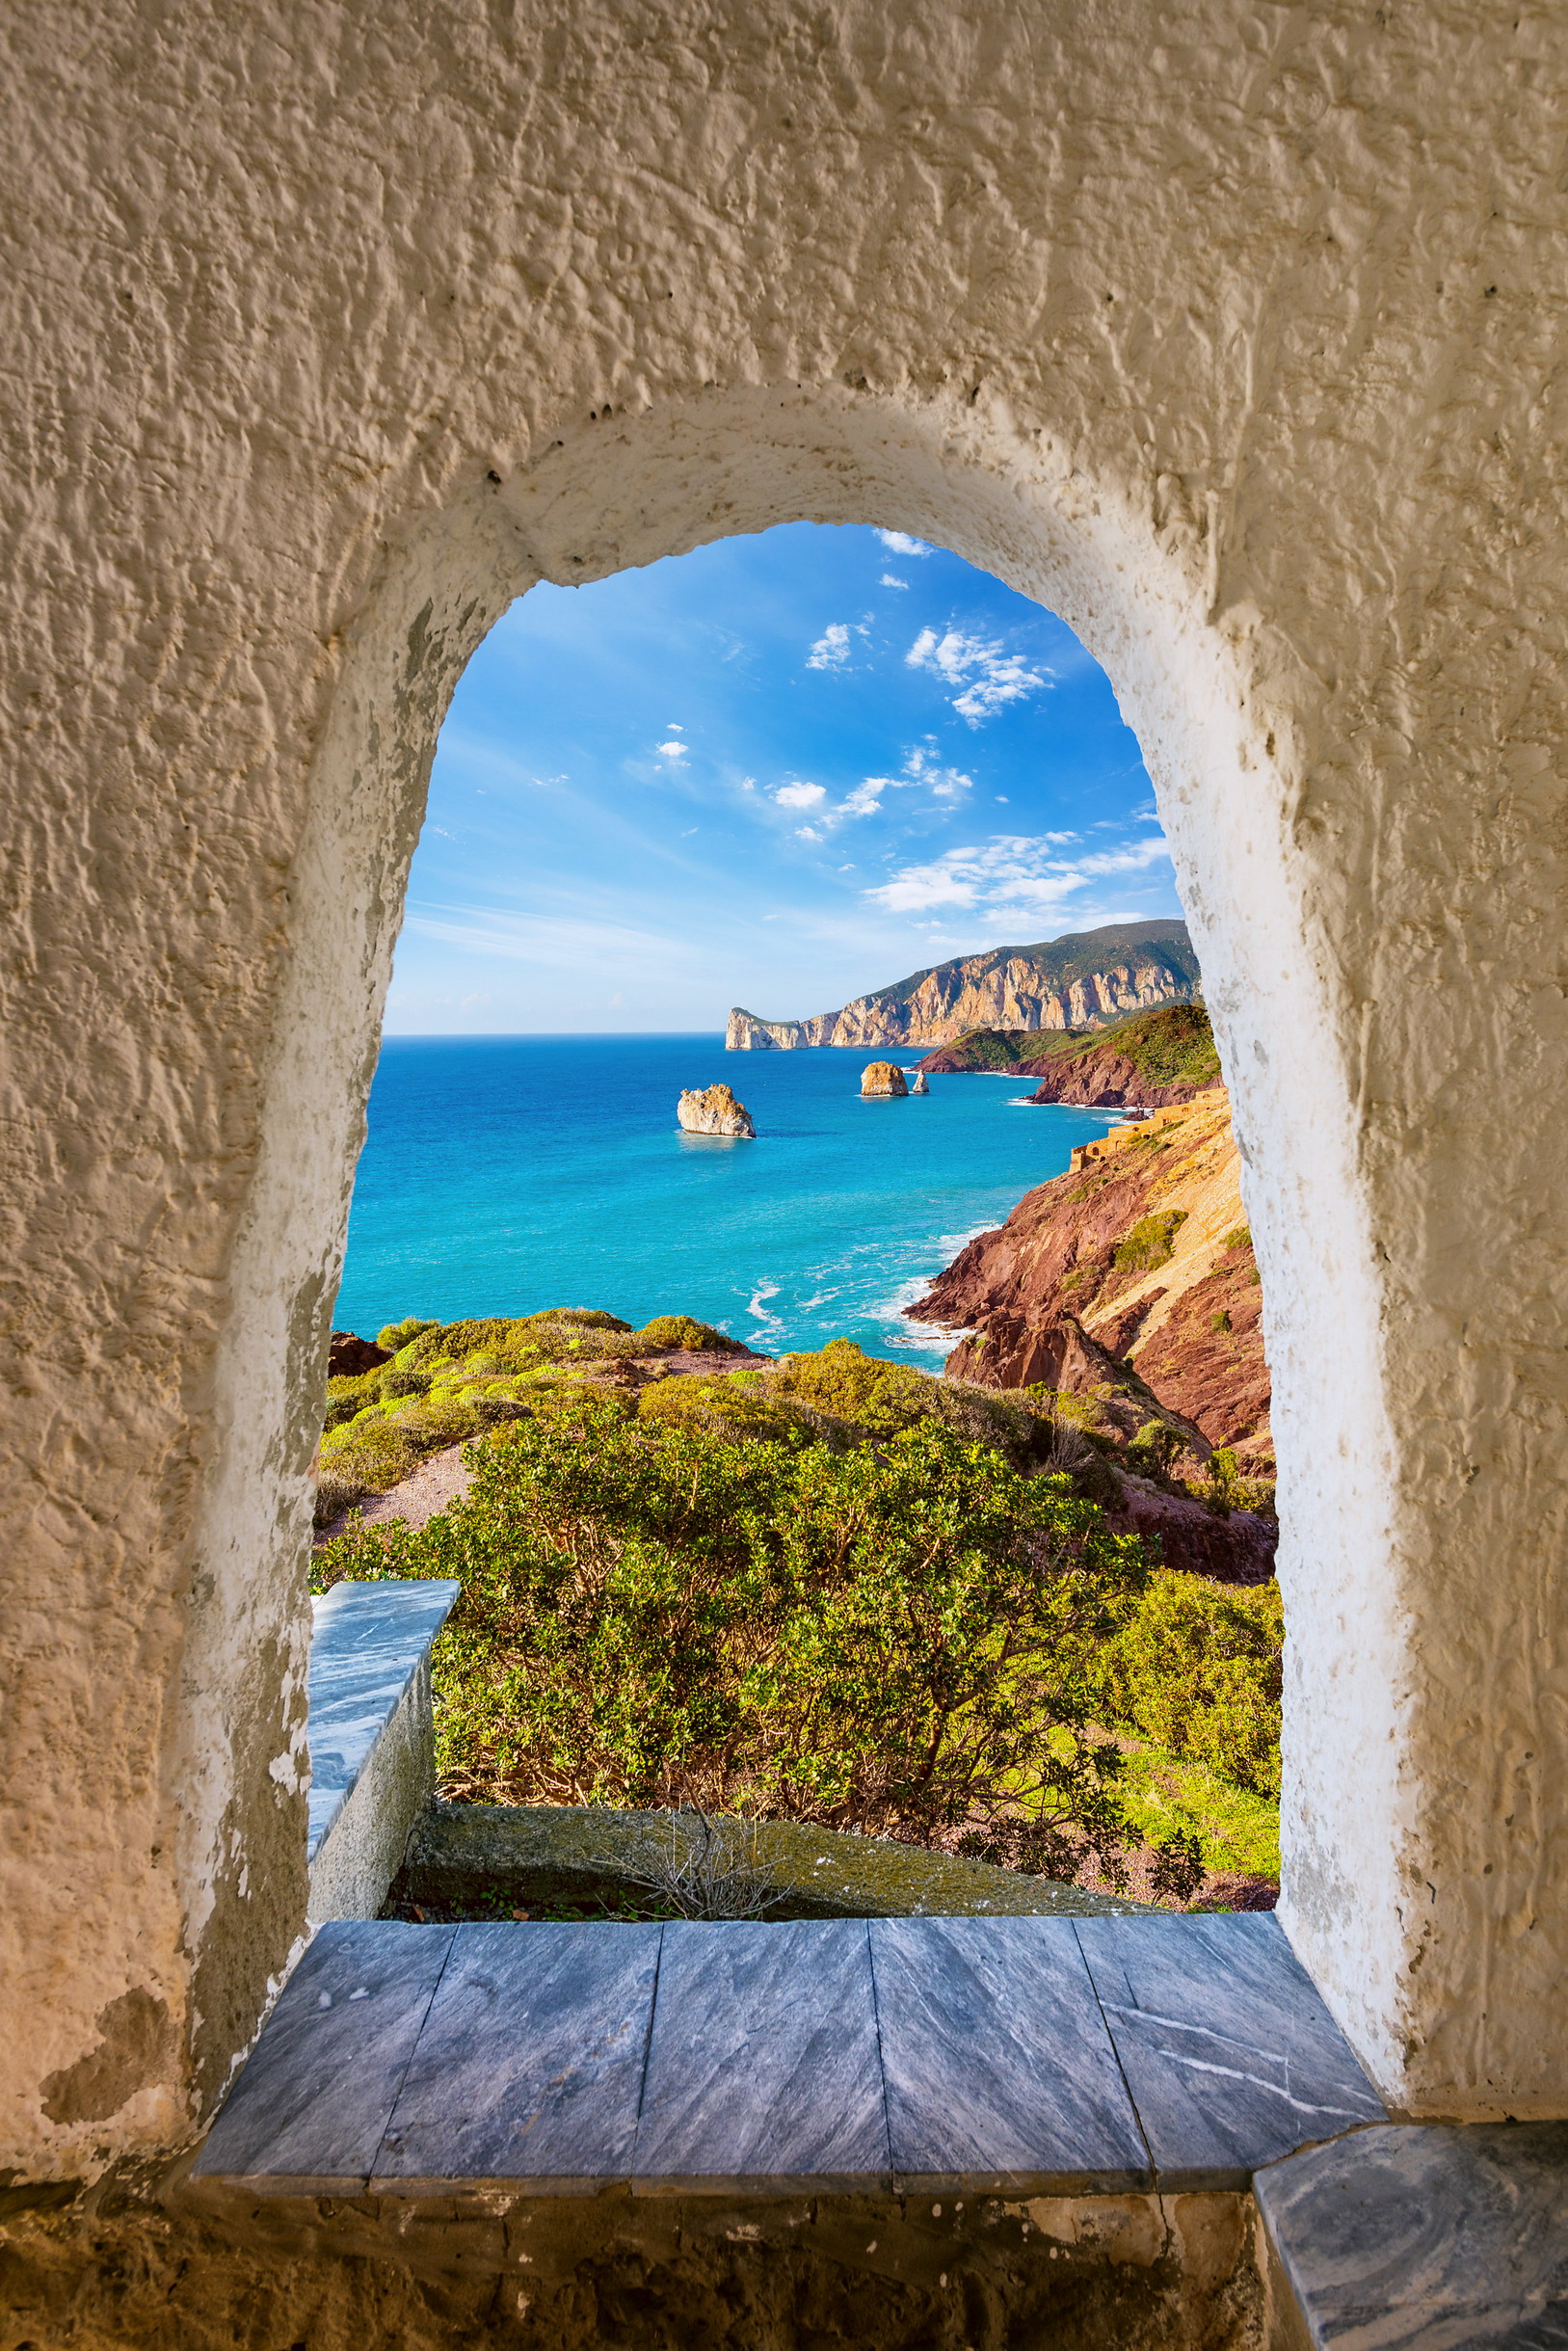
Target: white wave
[{"x": 757, "y": 1305}]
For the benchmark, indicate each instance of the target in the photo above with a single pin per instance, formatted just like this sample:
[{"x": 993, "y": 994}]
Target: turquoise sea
[{"x": 505, "y": 1174}]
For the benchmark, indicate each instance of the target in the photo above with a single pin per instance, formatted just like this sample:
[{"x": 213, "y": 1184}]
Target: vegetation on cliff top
[
  {"x": 901, "y": 1638},
  {"x": 830, "y": 1588},
  {"x": 1173, "y": 1045},
  {"x": 450, "y": 1380}
]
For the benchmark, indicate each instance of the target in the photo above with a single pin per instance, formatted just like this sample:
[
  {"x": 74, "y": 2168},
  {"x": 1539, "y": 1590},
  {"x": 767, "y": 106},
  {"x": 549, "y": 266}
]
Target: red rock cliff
[{"x": 1144, "y": 1254}]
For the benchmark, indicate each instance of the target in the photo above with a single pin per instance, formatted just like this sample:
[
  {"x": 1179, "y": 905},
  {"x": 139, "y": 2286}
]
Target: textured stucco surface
[{"x": 1234, "y": 333}]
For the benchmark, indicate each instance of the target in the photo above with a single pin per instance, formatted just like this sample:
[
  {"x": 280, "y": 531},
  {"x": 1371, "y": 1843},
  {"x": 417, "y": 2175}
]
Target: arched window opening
[{"x": 834, "y": 820}]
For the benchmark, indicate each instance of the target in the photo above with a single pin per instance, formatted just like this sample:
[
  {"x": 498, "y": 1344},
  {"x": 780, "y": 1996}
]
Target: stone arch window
[
  {"x": 622, "y": 490},
  {"x": 1236, "y": 726}
]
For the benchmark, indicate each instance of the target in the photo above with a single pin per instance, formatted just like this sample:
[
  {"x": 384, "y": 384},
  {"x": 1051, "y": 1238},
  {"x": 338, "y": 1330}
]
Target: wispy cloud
[
  {"x": 1011, "y": 874},
  {"x": 891, "y": 580},
  {"x": 833, "y": 648},
  {"x": 901, "y": 544},
  {"x": 921, "y": 767},
  {"x": 557, "y": 943},
  {"x": 989, "y": 675}
]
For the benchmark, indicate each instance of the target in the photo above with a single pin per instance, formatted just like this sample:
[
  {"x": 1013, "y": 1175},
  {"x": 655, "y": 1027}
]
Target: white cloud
[
  {"x": 901, "y": 544},
  {"x": 1010, "y": 877},
  {"x": 808, "y": 832},
  {"x": 800, "y": 795},
  {"x": 832, "y": 648},
  {"x": 675, "y": 726},
  {"x": 673, "y": 750},
  {"x": 891, "y": 580},
  {"x": 1131, "y": 857},
  {"x": 922, "y": 766},
  {"x": 989, "y": 676}
]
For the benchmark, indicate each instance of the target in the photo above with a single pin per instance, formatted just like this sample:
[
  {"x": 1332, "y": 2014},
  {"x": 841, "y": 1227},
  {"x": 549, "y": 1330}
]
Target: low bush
[
  {"x": 1195, "y": 1667},
  {"x": 398, "y": 1335},
  {"x": 1151, "y": 1241},
  {"x": 900, "y": 1639},
  {"x": 696, "y": 1338}
]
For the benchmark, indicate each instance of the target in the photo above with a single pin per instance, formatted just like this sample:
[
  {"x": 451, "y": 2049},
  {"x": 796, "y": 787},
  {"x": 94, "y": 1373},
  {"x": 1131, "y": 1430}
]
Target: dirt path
[
  {"x": 435, "y": 1482},
  {"x": 442, "y": 1479}
]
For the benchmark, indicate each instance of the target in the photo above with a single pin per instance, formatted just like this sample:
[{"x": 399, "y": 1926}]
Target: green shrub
[
  {"x": 378, "y": 1453},
  {"x": 1149, "y": 1242},
  {"x": 681, "y": 1330},
  {"x": 899, "y": 1638},
  {"x": 866, "y": 1392},
  {"x": 347, "y": 1395},
  {"x": 1156, "y": 1445},
  {"x": 399, "y": 1334},
  {"x": 716, "y": 1407},
  {"x": 1196, "y": 1667}
]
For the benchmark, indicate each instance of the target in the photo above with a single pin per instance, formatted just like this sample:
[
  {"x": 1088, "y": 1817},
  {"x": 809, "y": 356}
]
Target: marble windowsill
[
  {"x": 1034, "y": 2056},
  {"x": 368, "y": 1644}
]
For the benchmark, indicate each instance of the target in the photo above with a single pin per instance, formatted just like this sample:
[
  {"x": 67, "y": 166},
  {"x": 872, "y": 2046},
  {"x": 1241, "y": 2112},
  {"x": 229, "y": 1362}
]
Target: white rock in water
[
  {"x": 714, "y": 1111},
  {"x": 919, "y": 1086}
]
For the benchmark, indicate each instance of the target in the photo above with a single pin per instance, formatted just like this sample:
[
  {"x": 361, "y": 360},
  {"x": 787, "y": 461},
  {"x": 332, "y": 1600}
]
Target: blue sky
[{"x": 776, "y": 772}]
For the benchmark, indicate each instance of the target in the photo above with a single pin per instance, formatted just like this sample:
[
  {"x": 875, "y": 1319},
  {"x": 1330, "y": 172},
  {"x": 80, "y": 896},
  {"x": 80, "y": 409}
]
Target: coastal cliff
[
  {"x": 714, "y": 1111},
  {"x": 1149, "y": 1061},
  {"x": 1085, "y": 980},
  {"x": 1133, "y": 1274}
]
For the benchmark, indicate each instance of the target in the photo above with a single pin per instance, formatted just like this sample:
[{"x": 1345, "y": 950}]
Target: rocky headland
[
  {"x": 1084, "y": 980},
  {"x": 714, "y": 1111},
  {"x": 1130, "y": 1285},
  {"x": 1156, "y": 1059},
  {"x": 884, "y": 1079}
]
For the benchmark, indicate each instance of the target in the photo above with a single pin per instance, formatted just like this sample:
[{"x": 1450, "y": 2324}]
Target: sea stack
[
  {"x": 919, "y": 1086},
  {"x": 714, "y": 1111},
  {"x": 884, "y": 1079}
]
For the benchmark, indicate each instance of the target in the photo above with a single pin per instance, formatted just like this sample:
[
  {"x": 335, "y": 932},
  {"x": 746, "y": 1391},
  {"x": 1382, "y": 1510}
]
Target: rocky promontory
[
  {"x": 1131, "y": 1281},
  {"x": 884, "y": 1079},
  {"x": 714, "y": 1111},
  {"x": 1084, "y": 980},
  {"x": 1153, "y": 1060}
]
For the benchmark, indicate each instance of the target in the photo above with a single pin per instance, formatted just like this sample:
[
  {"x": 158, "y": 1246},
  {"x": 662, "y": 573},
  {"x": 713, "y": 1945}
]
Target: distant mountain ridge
[{"x": 1086, "y": 980}]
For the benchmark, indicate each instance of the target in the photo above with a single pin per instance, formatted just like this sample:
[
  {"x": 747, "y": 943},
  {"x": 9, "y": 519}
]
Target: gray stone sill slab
[
  {"x": 565, "y": 1853},
  {"x": 368, "y": 1642},
  {"x": 1424, "y": 2236},
  {"x": 1030, "y": 2056}
]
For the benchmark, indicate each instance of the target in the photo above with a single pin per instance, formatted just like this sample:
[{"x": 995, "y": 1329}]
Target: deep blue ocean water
[{"x": 505, "y": 1174}]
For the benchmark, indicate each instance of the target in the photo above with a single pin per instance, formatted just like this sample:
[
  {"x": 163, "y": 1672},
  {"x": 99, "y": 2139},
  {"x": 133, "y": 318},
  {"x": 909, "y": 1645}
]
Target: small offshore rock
[
  {"x": 714, "y": 1111},
  {"x": 884, "y": 1079},
  {"x": 919, "y": 1087}
]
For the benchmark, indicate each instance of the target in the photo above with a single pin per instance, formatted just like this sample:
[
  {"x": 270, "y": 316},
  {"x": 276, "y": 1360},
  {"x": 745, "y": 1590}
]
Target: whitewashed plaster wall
[{"x": 1232, "y": 331}]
